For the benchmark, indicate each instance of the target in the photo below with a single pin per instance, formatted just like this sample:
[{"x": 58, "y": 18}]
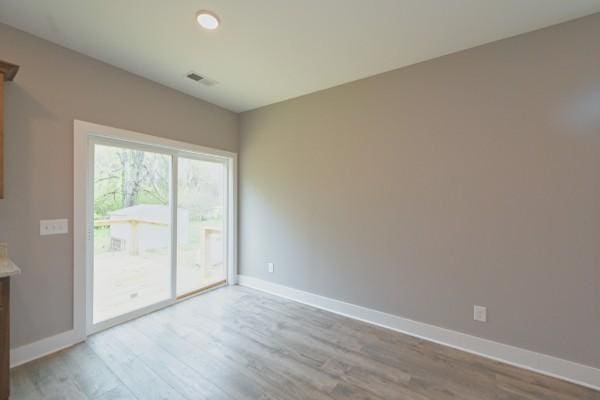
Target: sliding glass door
[
  {"x": 132, "y": 230},
  {"x": 147, "y": 252},
  {"x": 201, "y": 207}
]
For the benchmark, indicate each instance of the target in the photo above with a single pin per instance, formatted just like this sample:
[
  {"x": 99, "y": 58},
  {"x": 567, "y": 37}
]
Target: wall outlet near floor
[
  {"x": 271, "y": 267},
  {"x": 54, "y": 226},
  {"x": 480, "y": 313}
]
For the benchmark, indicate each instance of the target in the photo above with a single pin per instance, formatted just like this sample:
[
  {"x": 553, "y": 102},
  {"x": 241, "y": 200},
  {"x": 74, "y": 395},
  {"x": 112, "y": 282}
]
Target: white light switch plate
[
  {"x": 271, "y": 267},
  {"x": 54, "y": 226},
  {"x": 480, "y": 313}
]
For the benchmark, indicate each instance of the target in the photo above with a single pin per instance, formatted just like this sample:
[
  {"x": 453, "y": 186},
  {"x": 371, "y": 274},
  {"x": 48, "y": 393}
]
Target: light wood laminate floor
[{"x": 236, "y": 343}]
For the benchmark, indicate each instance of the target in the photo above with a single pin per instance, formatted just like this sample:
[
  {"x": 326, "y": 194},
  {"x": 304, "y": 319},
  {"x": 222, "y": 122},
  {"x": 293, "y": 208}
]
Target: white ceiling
[{"x": 270, "y": 50}]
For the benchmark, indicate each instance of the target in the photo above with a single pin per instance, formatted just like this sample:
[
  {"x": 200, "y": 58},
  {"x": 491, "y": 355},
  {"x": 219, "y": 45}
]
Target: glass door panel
[
  {"x": 132, "y": 230},
  {"x": 200, "y": 230}
]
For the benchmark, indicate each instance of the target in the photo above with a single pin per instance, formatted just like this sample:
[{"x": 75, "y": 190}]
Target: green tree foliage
[
  {"x": 200, "y": 188},
  {"x": 126, "y": 177}
]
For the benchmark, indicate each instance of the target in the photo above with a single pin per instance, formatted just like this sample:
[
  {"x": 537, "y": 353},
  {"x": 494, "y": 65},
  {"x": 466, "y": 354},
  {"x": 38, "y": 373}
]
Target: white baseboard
[
  {"x": 570, "y": 371},
  {"x": 41, "y": 348}
]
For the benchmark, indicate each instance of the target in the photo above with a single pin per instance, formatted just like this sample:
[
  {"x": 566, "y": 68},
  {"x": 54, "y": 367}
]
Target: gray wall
[
  {"x": 53, "y": 87},
  {"x": 470, "y": 179}
]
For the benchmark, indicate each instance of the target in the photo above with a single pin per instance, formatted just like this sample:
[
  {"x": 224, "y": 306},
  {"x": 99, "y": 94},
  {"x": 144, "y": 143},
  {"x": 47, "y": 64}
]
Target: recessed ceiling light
[{"x": 207, "y": 20}]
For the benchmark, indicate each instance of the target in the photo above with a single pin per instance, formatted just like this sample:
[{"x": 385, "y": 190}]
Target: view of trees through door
[
  {"x": 133, "y": 218},
  {"x": 200, "y": 250},
  {"x": 132, "y": 230}
]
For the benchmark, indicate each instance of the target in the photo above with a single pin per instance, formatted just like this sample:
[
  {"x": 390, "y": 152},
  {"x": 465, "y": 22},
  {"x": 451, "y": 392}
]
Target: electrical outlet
[
  {"x": 480, "y": 313},
  {"x": 54, "y": 226},
  {"x": 271, "y": 267}
]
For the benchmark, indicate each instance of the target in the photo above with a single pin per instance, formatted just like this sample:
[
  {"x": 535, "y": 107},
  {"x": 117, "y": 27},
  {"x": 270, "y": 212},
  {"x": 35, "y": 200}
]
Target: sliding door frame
[{"x": 86, "y": 135}]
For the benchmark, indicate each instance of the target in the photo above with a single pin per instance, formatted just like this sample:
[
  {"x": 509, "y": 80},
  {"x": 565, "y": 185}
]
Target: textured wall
[
  {"x": 53, "y": 87},
  {"x": 470, "y": 179}
]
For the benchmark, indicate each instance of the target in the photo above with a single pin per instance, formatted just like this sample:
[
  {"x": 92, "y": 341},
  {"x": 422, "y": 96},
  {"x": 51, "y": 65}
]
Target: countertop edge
[{"x": 8, "y": 268}]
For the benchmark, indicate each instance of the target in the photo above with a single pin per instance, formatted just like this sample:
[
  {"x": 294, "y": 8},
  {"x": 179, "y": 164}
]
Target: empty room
[{"x": 300, "y": 199}]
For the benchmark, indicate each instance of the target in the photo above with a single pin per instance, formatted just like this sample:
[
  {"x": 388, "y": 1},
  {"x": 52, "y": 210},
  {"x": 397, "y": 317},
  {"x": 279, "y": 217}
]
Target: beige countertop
[{"x": 8, "y": 268}]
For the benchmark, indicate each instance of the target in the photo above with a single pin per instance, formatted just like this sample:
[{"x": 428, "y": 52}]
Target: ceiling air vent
[{"x": 196, "y": 77}]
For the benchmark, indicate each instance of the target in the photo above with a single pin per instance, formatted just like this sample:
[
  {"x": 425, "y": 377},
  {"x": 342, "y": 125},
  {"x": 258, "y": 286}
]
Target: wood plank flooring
[{"x": 236, "y": 343}]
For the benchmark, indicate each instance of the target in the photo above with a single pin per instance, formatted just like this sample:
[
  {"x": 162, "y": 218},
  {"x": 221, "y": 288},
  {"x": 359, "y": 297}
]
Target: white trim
[
  {"x": 84, "y": 133},
  {"x": 232, "y": 221},
  {"x": 81, "y": 232},
  {"x": 173, "y": 199},
  {"x": 89, "y": 128},
  {"x": 41, "y": 348},
  {"x": 552, "y": 366},
  {"x": 120, "y": 319}
]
